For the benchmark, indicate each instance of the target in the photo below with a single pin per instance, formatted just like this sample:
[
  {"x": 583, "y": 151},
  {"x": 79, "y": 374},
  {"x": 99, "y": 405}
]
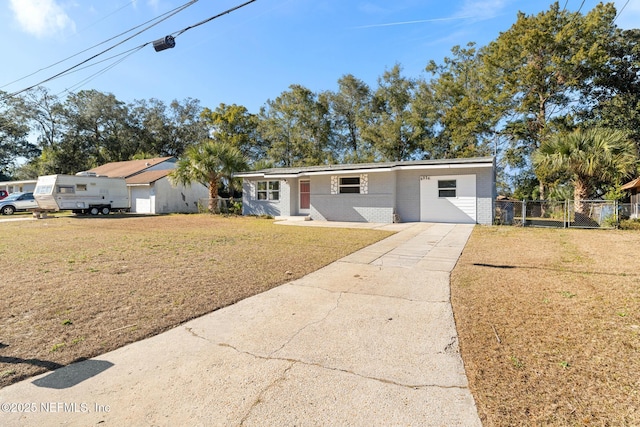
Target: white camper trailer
[{"x": 83, "y": 193}]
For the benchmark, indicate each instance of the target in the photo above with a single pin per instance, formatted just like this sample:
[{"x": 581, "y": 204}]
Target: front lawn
[
  {"x": 77, "y": 287},
  {"x": 549, "y": 325}
]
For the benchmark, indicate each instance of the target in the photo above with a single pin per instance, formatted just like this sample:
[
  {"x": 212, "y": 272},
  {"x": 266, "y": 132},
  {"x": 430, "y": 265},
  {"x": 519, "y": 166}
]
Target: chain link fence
[
  {"x": 562, "y": 214},
  {"x": 628, "y": 211}
]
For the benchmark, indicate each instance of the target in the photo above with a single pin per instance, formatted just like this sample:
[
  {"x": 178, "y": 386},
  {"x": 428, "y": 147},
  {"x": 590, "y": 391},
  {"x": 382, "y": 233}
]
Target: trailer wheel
[
  {"x": 94, "y": 211},
  {"x": 105, "y": 210}
]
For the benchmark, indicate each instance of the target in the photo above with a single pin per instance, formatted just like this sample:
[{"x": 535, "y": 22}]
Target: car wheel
[
  {"x": 8, "y": 210},
  {"x": 105, "y": 210},
  {"x": 94, "y": 211}
]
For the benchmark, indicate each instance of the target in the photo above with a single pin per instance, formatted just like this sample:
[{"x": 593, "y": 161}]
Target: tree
[
  {"x": 595, "y": 159},
  {"x": 168, "y": 130},
  {"x": 395, "y": 129},
  {"x": 296, "y": 127},
  {"x": 349, "y": 108},
  {"x": 460, "y": 107},
  {"x": 208, "y": 163},
  {"x": 540, "y": 69},
  {"x": 616, "y": 87},
  {"x": 235, "y": 125},
  {"x": 14, "y": 142}
]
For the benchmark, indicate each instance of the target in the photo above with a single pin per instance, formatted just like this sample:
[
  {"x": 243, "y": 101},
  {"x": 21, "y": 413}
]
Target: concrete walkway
[{"x": 368, "y": 340}]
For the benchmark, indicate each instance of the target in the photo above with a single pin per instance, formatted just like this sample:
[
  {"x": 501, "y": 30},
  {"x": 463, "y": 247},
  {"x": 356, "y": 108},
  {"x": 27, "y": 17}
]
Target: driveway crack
[
  {"x": 331, "y": 310},
  {"x": 259, "y": 398},
  {"x": 342, "y": 370}
]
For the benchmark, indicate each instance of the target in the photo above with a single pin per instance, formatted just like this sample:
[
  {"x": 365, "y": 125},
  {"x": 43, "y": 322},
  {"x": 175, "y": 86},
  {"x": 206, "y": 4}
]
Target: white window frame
[{"x": 271, "y": 194}]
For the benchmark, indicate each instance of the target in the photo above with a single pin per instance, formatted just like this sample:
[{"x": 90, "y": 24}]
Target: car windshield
[{"x": 12, "y": 196}]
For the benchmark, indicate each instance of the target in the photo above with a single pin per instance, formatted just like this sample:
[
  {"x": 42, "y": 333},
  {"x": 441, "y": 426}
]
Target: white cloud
[
  {"x": 480, "y": 10},
  {"x": 41, "y": 17}
]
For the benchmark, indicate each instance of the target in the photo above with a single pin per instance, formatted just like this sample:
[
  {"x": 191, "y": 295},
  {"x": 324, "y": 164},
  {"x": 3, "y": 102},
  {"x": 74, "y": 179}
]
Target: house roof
[
  {"x": 145, "y": 178},
  {"x": 633, "y": 184},
  {"x": 128, "y": 168},
  {"x": 372, "y": 167}
]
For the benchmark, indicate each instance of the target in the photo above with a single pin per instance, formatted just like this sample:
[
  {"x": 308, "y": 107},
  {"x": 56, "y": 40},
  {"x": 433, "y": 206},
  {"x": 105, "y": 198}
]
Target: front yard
[
  {"x": 77, "y": 287},
  {"x": 549, "y": 325}
]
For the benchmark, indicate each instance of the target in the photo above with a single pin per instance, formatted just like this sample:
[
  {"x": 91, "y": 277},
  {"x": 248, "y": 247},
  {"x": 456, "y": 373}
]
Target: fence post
[{"x": 524, "y": 213}]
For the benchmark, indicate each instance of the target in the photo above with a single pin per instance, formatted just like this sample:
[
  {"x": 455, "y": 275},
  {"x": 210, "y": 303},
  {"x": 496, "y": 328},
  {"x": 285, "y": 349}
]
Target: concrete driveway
[{"x": 368, "y": 340}]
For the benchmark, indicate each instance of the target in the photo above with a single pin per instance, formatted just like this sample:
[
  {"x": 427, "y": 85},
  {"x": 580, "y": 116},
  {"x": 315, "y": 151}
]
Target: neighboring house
[
  {"x": 26, "y": 186},
  {"x": 634, "y": 190},
  {"x": 456, "y": 191},
  {"x": 149, "y": 188}
]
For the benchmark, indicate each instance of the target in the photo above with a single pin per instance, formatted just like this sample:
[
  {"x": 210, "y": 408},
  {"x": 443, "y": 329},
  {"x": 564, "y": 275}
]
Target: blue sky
[{"x": 252, "y": 54}]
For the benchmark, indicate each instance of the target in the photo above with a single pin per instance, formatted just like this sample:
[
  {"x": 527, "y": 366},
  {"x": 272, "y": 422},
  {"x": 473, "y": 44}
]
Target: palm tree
[
  {"x": 209, "y": 163},
  {"x": 589, "y": 157}
]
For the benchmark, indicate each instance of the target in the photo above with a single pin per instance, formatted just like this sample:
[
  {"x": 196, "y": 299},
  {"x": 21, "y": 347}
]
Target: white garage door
[
  {"x": 140, "y": 200},
  {"x": 448, "y": 198}
]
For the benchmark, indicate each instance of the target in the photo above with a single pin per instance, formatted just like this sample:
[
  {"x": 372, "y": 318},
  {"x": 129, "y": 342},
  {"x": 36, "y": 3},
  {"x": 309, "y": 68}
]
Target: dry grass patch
[
  {"x": 549, "y": 325},
  {"x": 74, "y": 288}
]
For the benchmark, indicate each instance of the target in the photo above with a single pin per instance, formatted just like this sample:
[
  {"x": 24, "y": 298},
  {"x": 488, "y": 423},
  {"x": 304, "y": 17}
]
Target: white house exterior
[
  {"x": 454, "y": 190},
  {"x": 150, "y": 191},
  {"x": 26, "y": 186}
]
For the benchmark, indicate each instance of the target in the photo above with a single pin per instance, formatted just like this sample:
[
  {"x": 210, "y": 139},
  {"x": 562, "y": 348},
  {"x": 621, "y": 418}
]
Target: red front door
[{"x": 305, "y": 195}]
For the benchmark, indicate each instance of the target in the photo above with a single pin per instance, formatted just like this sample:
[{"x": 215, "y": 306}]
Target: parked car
[
  {"x": 17, "y": 202},
  {"x": 3, "y": 194}
]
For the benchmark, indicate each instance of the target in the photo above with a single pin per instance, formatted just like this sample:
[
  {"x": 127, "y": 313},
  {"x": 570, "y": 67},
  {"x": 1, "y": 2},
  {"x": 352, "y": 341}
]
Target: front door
[{"x": 305, "y": 197}]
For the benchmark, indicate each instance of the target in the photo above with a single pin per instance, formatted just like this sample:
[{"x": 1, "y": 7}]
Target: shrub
[{"x": 630, "y": 224}]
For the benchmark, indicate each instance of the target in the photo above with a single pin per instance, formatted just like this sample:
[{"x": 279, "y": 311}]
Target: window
[
  {"x": 81, "y": 187},
  {"x": 350, "y": 185},
  {"x": 66, "y": 189},
  {"x": 447, "y": 188},
  {"x": 43, "y": 189},
  {"x": 268, "y": 190}
]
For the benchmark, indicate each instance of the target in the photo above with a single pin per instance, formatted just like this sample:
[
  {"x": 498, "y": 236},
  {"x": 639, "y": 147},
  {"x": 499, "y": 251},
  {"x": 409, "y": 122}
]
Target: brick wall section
[{"x": 376, "y": 206}]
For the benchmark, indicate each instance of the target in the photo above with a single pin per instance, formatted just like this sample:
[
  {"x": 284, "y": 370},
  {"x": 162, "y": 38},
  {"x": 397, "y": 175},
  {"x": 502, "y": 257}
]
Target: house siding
[
  {"x": 179, "y": 199},
  {"x": 375, "y": 206},
  {"x": 408, "y": 196},
  {"x": 387, "y": 194},
  {"x": 252, "y": 206}
]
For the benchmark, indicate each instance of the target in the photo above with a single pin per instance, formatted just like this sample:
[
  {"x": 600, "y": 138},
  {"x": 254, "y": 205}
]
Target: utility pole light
[{"x": 165, "y": 43}]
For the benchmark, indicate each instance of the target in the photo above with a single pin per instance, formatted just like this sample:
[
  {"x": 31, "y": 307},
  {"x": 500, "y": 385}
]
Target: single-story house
[
  {"x": 634, "y": 190},
  {"x": 24, "y": 186},
  {"x": 150, "y": 191},
  {"x": 453, "y": 190}
]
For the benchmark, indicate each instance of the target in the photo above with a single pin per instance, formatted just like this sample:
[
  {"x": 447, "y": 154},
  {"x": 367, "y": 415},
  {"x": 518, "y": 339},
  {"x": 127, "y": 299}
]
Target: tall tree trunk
[
  {"x": 579, "y": 196},
  {"x": 213, "y": 195}
]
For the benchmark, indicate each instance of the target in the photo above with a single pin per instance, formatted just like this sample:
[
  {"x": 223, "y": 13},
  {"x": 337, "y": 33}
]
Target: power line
[
  {"x": 580, "y": 8},
  {"x": 169, "y": 15},
  {"x": 102, "y": 71},
  {"x": 184, "y": 6},
  {"x": 619, "y": 13},
  {"x": 177, "y": 33}
]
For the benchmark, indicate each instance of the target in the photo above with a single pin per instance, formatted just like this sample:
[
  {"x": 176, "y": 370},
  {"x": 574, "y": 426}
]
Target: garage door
[
  {"x": 448, "y": 198},
  {"x": 140, "y": 200}
]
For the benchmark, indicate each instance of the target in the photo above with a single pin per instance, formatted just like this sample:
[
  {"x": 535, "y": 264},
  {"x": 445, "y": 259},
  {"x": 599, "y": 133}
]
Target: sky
[{"x": 250, "y": 55}]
